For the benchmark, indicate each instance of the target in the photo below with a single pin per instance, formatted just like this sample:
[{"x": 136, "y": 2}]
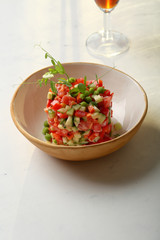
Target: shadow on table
[{"x": 135, "y": 160}]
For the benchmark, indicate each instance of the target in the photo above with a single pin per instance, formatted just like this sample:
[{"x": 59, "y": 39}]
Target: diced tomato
[
  {"x": 58, "y": 138},
  {"x": 100, "y": 82},
  {"x": 68, "y": 99},
  {"x": 62, "y": 89},
  {"x": 89, "y": 116},
  {"x": 107, "y": 101},
  {"x": 62, "y": 115},
  {"x": 63, "y": 105},
  {"x": 79, "y": 113},
  {"x": 58, "y": 99},
  {"x": 108, "y": 128},
  {"x": 70, "y": 135},
  {"x": 93, "y": 136},
  {"x": 78, "y": 98},
  {"x": 87, "y": 135},
  {"x": 56, "y": 105},
  {"x": 62, "y": 132},
  {"x": 101, "y": 134},
  {"x": 107, "y": 93},
  {"x": 104, "y": 123},
  {"x": 80, "y": 80},
  {"x": 51, "y": 121},
  {"x": 56, "y": 120},
  {"x": 83, "y": 126},
  {"x": 48, "y": 103},
  {"x": 103, "y": 110},
  {"x": 97, "y": 127},
  {"x": 89, "y": 82},
  {"x": 72, "y": 103},
  {"x": 91, "y": 109},
  {"x": 96, "y": 130}
]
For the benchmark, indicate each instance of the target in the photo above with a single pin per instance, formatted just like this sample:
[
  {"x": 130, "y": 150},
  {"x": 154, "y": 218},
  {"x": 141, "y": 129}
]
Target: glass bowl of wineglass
[{"x": 107, "y": 42}]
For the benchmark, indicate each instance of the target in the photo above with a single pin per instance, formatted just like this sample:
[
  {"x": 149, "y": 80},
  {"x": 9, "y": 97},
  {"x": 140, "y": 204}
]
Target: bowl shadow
[{"x": 132, "y": 162}]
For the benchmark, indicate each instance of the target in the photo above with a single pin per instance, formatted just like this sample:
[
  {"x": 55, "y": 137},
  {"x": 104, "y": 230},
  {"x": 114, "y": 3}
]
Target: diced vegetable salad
[{"x": 78, "y": 113}]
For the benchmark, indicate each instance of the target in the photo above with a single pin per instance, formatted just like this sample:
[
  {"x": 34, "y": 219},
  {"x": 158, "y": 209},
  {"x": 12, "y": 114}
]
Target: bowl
[{"x": 129, "y": 108}]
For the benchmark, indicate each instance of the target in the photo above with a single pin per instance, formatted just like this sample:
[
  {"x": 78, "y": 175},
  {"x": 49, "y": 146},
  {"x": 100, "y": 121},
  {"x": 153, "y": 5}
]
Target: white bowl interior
[{"x": 129, "y": 101}]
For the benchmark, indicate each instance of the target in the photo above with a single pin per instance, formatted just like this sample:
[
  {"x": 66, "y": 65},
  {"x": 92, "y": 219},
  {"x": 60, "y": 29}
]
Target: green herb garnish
[{"x": 57, "y": 69}]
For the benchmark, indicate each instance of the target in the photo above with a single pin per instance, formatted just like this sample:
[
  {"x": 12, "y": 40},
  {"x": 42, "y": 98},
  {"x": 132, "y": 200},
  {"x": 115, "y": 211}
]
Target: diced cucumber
[
  {"x": 70, "y": 112},
  {"x": 86, "y": 132},
  {"x": 96, "y": 139},
  {"x": 96, "y": 109},
  {"x": 95, "y": 115},
  {"x": 62, "y": 122},
  {"x": 100, "y": 116},
  {"x": 70, "y": 143},
  {"x": 117, "y": 126},
  {"x": 74, "y": 129},
  {"x": 52, "y": 128},
  {"x": 84, "y": 118},
  {"x": 69, "y": 129},
  {"x": 60, "y": 126},
  {"x": 61, "y": 110},
  {"x": 69, "y": 122},
  {"x": 97, "y": 98},
  {"x": 83, "y": 141},
  {"x": 92, "y": 85},
  {"x": 65, "y": 140},
  {"x": 76, "y": 121},
  {"x": 50, "y": 96},
  {"x": 54, "y": 141},
  {"x": 76, "y": 137},
  {"x": 82, "y": 109},
  {"x": 51, "y": 113},
  {"x": 67, "y": 107},
  {"x": 76, "y": 107}
]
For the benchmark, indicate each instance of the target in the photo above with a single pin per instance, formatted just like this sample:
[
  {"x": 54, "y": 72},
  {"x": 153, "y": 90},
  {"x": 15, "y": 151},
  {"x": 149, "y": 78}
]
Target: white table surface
[{"x": 116, "y": 197}]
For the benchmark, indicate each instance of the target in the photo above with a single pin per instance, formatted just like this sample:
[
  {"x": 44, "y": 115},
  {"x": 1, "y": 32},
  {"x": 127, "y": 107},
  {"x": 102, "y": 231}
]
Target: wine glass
[{"x": 107, "y": 42}]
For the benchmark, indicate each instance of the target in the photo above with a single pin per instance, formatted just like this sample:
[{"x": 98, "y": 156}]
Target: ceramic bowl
[{"x": 129, "y": 108}]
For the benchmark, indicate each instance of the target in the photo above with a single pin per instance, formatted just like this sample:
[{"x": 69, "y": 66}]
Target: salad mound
[{"x": 78, "y": 112}]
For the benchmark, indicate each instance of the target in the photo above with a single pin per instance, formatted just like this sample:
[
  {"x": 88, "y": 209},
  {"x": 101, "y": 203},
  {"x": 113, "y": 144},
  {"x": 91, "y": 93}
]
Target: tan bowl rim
[{"x": 38, "y": 141}]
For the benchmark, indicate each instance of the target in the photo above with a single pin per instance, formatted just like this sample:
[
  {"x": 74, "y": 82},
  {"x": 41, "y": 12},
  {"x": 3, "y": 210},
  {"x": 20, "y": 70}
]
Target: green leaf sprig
[{"x": 57, "y": 69}]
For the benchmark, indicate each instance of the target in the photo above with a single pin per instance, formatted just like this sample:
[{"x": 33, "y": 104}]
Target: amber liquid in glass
[{"x": 106, "y": 4}]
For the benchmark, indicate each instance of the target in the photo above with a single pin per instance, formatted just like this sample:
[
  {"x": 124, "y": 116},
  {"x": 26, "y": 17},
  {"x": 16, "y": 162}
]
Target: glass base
[{"x": 113, "y": 44}]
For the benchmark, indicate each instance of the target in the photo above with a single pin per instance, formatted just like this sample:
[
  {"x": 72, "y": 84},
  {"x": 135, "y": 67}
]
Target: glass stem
[{"x": 107, "y": 26}]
